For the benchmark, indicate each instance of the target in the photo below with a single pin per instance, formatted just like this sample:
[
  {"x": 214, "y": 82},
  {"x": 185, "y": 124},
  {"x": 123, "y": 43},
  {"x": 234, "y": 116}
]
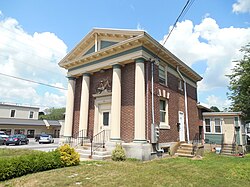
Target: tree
[
  {"x": 240, "y": 84},
  {"x": 214, "y": 109},
  {"x": 54, "y": 114}
]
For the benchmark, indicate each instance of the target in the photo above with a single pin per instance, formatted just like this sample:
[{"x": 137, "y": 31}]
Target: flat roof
[
  {"x": 222, "y": 113},
  {"x": 27, "y": 122}
]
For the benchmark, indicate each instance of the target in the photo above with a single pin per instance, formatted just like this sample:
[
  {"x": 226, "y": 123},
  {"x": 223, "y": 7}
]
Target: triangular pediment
[{"x": 99, "y": 39}]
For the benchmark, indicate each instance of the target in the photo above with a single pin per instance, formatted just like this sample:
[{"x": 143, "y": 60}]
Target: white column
[
  {"x": 139, "y": 101},
  {"x": 84, "y": 107},
  {"x": 69, "y": 107},
  {"x": 116, "y": 103}
]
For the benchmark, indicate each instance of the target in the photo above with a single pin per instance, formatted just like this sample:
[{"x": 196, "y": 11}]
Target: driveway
[{"x": 35, "y": 145}]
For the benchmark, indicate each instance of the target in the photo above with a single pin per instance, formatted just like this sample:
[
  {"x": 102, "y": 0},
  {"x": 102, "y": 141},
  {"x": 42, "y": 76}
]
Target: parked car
[
  {"x": 2, "y": 140},
  {"x": 46, "y": 138},
  {"x": 17, "y": 139},
  {"x": 3, "y": 135}
]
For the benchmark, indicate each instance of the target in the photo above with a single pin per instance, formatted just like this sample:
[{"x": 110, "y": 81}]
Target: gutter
[{"x": 186, "y": 107}]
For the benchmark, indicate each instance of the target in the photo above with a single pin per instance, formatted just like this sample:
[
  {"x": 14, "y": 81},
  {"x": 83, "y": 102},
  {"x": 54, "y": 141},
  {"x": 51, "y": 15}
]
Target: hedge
[
  {"x": 21, "y": 165},
  {"x": 12, "y": 167}
]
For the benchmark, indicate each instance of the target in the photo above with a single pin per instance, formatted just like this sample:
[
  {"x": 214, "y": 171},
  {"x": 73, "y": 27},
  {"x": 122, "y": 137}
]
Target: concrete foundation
[{"x": 141, "y": 151}]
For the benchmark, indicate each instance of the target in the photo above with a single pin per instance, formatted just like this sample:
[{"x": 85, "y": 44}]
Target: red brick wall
[
  {"x": 77, "y": 103},
  {"x": 94, "y": 81},
  {"x": 176, "y": 103},
  {"x": 128, "y": 100}
]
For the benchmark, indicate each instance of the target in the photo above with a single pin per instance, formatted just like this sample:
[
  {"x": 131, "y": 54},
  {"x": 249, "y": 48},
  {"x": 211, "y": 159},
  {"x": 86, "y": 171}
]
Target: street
[{"x": 35, "y": 145}]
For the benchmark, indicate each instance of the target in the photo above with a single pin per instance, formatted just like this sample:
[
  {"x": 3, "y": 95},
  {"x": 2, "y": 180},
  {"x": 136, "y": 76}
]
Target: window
[
  {"x": 12, "y": 113},
  {"x": 217, "y": 126},
  {"x": 162, "y": 111},
  {"x": 207, "y": 125},
  {"x": 31, "y": 114},
  {"x": 19, "y": 131},
  {"x": 163, "y": 74},
  {"x": 30, "y": 133},
  {"x": 180, "y": 86},
  {"x": 7, "y": 131},
  {"x": 164, "y": 114},
  {"x": 105, "y": 118}
]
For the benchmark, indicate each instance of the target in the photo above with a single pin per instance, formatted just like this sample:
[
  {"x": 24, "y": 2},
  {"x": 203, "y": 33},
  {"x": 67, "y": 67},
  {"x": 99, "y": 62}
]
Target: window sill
[{"x": 164, "y": 126}]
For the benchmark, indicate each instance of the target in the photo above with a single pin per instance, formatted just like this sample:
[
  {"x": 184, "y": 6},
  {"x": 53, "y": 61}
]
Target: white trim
[
  {"x": 217, "y": 125},
  {"x": 210, "y": 124},
  {"x": 165, "y": 125}
]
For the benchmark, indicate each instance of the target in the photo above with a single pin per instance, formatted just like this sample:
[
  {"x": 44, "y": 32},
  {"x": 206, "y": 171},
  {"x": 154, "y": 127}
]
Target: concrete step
[
  {"x": 184, "y": 155},
  {"x": 186, "y": 145},
  {"x": 101, "y": 157},
  {"x": 186, "y": 148},
  {"x": 184, "y": 151}
]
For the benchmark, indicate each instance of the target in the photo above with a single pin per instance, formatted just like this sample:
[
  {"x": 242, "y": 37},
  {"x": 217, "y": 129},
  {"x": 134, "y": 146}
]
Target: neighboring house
[
  {"x": 17, "y": 119},
  {"x": 224, "y": 128},
  {"x": 110, "y": 90}
]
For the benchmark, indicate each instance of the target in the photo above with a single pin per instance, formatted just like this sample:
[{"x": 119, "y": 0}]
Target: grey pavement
[{"x": 35, "y": 145}]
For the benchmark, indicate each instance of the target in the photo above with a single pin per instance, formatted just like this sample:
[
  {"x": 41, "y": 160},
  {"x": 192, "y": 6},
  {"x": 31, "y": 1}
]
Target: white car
[
  {"x": 46, "y": 138},
  {"x": 3, "y": 135}
]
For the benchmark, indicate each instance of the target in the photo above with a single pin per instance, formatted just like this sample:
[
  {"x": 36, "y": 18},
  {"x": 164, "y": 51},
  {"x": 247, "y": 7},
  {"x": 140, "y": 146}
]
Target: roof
[
  {"x": 28, "y": 122},
  {"x": 126, "y": 39},
  {"x": 17, "y": 105},
  {"x": 222, "y": 114}
]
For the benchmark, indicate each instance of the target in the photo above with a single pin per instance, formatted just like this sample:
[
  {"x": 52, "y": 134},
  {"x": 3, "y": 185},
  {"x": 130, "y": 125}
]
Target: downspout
[
  {"x": 152, "y": 91},
  {"x": 185, "y": 96},
  {"x": 147, "y": 98}
]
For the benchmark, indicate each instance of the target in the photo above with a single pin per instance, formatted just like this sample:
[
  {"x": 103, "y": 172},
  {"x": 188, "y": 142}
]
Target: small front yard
[{"x": 212, "y": 170}]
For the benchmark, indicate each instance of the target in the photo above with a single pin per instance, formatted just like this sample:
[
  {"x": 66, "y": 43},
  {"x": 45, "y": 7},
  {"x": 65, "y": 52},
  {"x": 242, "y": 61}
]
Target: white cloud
[
  {"x": 139, "y": 27},
  {"x": 33, "y": 57},
  {"x": 241, "y": 6},
  {"x": 208, "y": 42},
  {"x": 213, "y": 100}
]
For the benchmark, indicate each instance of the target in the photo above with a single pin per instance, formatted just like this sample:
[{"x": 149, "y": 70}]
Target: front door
[
  {"x": 181, "y": 127},
  {"x": 104, "y": 120}
]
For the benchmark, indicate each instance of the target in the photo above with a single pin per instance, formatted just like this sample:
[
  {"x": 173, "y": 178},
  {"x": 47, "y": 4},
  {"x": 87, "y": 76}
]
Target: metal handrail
[
  {"x": 99, "y": 139},
  {"x": 195, "y": 143},
  {"x": 78, "y": 138}
]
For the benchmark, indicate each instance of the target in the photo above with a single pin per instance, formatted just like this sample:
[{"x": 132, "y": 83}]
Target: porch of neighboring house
[{"x": 224, "y": 132}]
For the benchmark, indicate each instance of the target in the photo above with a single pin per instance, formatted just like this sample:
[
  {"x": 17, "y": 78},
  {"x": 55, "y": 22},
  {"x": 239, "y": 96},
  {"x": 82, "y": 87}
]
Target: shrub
[
  {"x": 118, "y": 154},
  {"x": 68, "y": 155},
  {"x": 11, "y": 167}
]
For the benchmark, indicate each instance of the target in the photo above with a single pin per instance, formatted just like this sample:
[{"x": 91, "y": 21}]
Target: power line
[
  {"x": 183, "y": 12},
  {"x": 44, "y": 84}
]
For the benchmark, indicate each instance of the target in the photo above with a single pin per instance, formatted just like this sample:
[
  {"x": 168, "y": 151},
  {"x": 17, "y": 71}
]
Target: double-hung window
[
  {"x": 207, "y": 125},
  {"x": 163, "y": 74},
  {"x": 217, "y": 125},
  {"x": 164, "y": 114}
]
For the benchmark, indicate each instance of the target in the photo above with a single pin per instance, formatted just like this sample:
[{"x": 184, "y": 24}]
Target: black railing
[
  {"x": 195, "y": 143},
  {"x": 222, "y": 143},
  {"x": 99, "y": 140},
  {"x": 78, "y": 138}
]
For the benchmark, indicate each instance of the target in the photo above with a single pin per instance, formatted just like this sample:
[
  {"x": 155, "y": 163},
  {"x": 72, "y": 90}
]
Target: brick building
[{"x": 110, "y": 76}]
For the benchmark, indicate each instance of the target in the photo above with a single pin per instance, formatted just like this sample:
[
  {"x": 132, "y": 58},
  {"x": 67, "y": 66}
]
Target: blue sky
[{"x": 207, "y": 38}]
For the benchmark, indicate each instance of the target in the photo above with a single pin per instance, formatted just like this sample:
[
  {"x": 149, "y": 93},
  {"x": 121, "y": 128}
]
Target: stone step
[
  {"x": 186, "y": 145},
  {"x": 101, "y": 157},
  {"x": 184, "y": 155},
  {"x": 184, "y": 151}
]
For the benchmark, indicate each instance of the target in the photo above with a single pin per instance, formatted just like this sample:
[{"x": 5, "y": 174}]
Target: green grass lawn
[{"x": 212, "y": 170}]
